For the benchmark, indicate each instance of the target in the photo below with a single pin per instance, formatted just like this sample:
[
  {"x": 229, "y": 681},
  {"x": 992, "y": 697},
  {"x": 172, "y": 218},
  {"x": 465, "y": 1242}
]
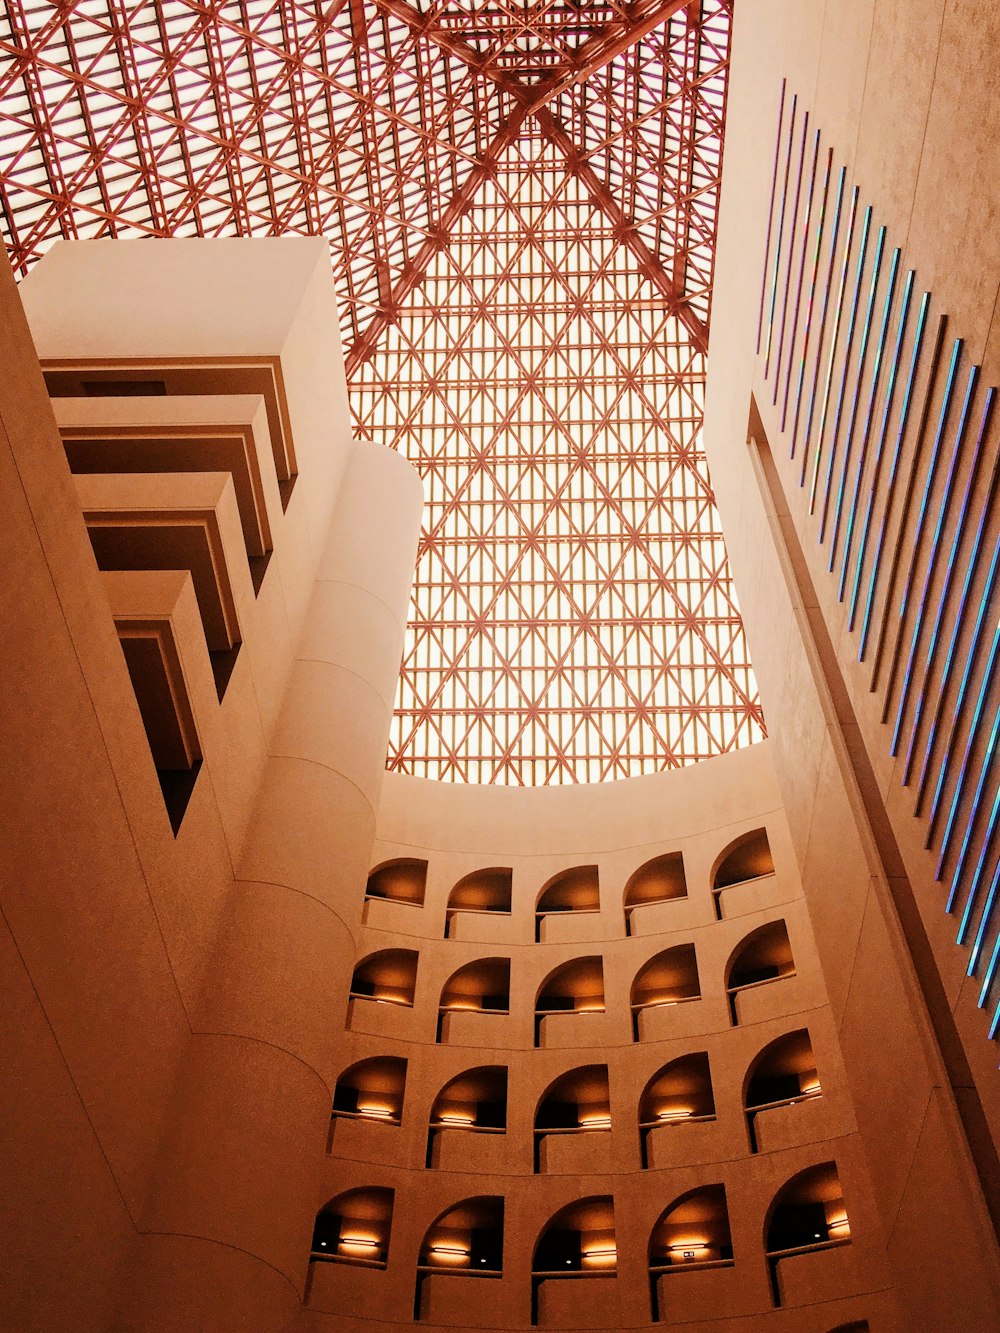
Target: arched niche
[
  {"x": 464, "y": 1242},
  {"x": 806, "y": 1215},
  {"x": 691, "y": 1235},
  {"x": 670, "y": 977},
  {"x": 386, "y": 977},
  {"x": 574, "y": 987},
  {"x": 660, "y": 880},
  {"x": 577, "y": 1103},
  {"x": 371, "y": 1090},
  {"x": 782, "y": 1074},
  {"x": 354, "y": 1228},
  {"x": 762, "y": 957},
  {"x": 745, "y": 859},
  {"x": 575, "y": 890},
  {"x": 474, "y": 1101},
  {"x": 479, "y": 987},
  {"x": 482, "y": 891},
  {"x": 403, "y": 880},
  {"x": 578, "y": 1242},
  {"x": 678, "y": 1094}
]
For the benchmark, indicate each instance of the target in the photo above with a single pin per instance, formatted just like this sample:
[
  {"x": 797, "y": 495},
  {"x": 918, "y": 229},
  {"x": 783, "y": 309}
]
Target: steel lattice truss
[{"x": 520, "y": 202}]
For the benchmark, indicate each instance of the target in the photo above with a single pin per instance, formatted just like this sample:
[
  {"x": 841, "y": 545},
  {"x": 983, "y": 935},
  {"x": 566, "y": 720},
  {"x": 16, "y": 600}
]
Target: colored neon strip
[
  {"x": 935, "y": 539},
  {"x": 796, "y": 308},
  {"x": 890, "y": 394},
  {"x": 985, "y": 919},
  {"x": 991, "y": 968},
  {"x": 903, "y": 510},
  {"x": 866, "y": 429},
  {"x": 812, "y": 296},
  {"x": 963, "y": 851},
  {"x": 822, "y": 325},
  {"x": 791, "y": 259},
  {"x": 946, "y": 585},
  {"x": 904, "y": 417},
  {"x": 977, "y": 713},
  {"x": 951, "y": 658},
  {"x": 770, "y": 216},
  {"x": 863, "y": 349},
  {"x": 828, "y": 379},
  {"x": 780, "y": 240}
]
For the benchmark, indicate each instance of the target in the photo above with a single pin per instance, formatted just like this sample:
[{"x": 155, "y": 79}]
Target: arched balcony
[
  {"x": 400, "y": 881},
  {"x": 577, "y": 1243},
  {"x": 462, "y": 1244},
  {"x": 354, "y": 1228},
  {"x": 661, "y": 880},
  {"x": 484, "y": 893},
  {"x": 689, "y": 1246},
  {"x": 745, "y": 861},
  {"x": 669, "y": 978},
  {"x": 575, "y": 1108},
  {"x": 563, "y": 901},
  {"x": 679, "y": 1094},
  {"x": 370, "y": 1091},
  {"x": 475, "y": 991},
  {"x": 761, "y": 958},
  {"x": 382, "y": 984},
  {"x": 782, "y": 1076},
  {"x": 475, "y": 1102},
  {"x": 807, "y": 1217},
  {"x": 571, "y": 993}
]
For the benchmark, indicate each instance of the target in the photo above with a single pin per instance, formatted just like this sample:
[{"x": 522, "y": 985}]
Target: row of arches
[
  {"x": 576, "y": 889},
  {"x": 670, "y": 977},
  {"x": 692, "y": 1233},
  {"x": 578, "y": 1101}
]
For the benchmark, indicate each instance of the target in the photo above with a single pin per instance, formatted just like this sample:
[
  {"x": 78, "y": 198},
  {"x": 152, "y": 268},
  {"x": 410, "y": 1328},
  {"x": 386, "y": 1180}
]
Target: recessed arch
[
  {"x": 484, "y": 891},
  {"x": 782, "y": 1073},
  {"x": 761, "y": 957},
  {"x": 577, "y": 1102},
  {"x": 574, "y": 890},
  {"x": 371, "y": 1090},
  {"x": 575, "y": 986},
  {"x": 659, "y": 880},
  {"x": 679, "y": 1093},
  {"x": 480, "y": 986},
  {"x": 691, "y": 1234},
  {"x": 354, "y": 1227},
  {"x": 400, "y": 880},
  {"x": 670, "y": 977},
  {"x": 579, "y": 1237},
  {"x": 806, "y": 1214},
  {"x": 474, "y": 1101},
  {"x": 388, "y": 976}
]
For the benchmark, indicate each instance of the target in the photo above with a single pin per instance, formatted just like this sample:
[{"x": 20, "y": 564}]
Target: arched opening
[
  {"x": 669, "y": 978},
  {"x": 577, "y": 1103},
  {"x": 692, "y": 1234},
  {"x": 370, "y": 1090},
  {"x": 575, "y": 890},
  {"x": 386, "y": 977},
  {"x": 578, "y": 1242},
  {"x": 486, "y": 891},
  {"x": 807, "y": 1215},
  {"x": 354, "y": 1228},
  {"x": 479, "y": 987},
  {"x": 475, "y": 1101},
  {"x": 576, "y": 987},
  {"x": 465, "y": 1241},
  {"x": 400, "y": 881},
  {"x": 678, "y": 1094},
  {"x": 763, "y": 956},
  {"x": 746, "y": 859},
  {"x": 782, "y": 1074},
  {"x": 661, "y": 880}
]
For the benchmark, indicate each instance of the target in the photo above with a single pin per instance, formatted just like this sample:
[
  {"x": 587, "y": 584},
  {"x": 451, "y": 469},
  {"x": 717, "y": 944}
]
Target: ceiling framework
[{"x": 520, "y": 201}]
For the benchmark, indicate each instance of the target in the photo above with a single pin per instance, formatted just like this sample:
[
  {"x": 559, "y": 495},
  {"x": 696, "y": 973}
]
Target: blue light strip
[
  {"x": 977, "y": 713},
  {"x": 770, "y": 216},
  {"x": 984, "y": 920},
  {"x": 963, "y": 851},
  {"x": 890, "y": 394},
  {"x": 862, "y": 353},
  {"x": 991, "y": 968},
  {"x": 798, "y": 286},
  {"x": 791, "y": 259},
  {"x": 946, "y": 586},
  {"x": 904, "y": 418},
  {"x": 866, "y": 430},
  {"x": 838, "y": 317},
  {"x": 934, "y": 544},
  {"x": 780, "y": 240},
  {"x": 822, "y": 326}
]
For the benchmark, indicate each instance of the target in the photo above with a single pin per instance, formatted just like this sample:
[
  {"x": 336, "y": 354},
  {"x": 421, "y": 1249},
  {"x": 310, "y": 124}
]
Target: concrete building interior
[{"x": 499, "y": 793}]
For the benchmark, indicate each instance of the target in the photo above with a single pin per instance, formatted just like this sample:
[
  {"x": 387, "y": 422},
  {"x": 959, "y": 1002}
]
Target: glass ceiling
[{"x": 520, "y": 202}]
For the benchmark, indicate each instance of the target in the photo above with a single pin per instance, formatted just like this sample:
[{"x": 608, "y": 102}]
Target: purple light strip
[
  {"x": 770, "y": 216},
  {"x": 866, "y": 429},
  {"x": 835, "y": 333},
  {"x": 987, "y": 914},
  {"x": 812, "y": 294},
  {"x": 780, "y": 239},
  {"x": 946, "y": 586},
  {"x": 904, "y": 417},
  {"x": 933, "y": 546},
  {"x": 791, "y": 258},
  {"x": 822, "y": 326}
]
